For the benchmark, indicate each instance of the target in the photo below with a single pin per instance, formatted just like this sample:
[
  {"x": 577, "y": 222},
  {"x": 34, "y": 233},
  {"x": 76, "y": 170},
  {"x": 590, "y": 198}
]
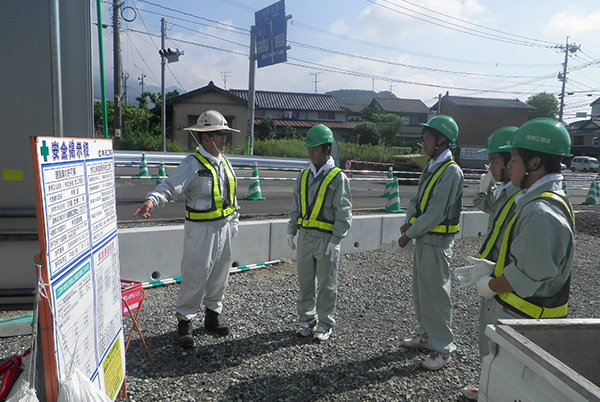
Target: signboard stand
[{"x": 80, "y": 316}]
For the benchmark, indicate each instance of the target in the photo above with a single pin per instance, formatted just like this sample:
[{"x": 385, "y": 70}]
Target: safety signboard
[{"x": 75, "y": 191}]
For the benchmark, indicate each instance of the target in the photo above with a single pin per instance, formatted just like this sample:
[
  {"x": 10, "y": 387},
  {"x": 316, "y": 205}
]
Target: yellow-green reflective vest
[
  {"x": 535, "y": 307},
  {"x": 310, "y": 214},
  {"x": 448, "y": 226},
  {"x": 488, "y": 245},
  {"x": 221, "y": 206}
]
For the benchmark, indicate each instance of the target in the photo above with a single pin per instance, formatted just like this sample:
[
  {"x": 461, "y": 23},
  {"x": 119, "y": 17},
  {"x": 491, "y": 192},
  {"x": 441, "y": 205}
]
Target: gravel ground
[{"x": 263, "y": 359}]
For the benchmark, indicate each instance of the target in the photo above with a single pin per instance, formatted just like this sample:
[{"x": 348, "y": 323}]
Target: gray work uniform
[
  {"x": 493, "y": 200},
  {"x": 541, "y": 254},
  {"x": 492, "y": 203},
  {"x": 313, "y": 266},
  {"x": 207, "y": 244},
  {"x": 431, "y": 265}
]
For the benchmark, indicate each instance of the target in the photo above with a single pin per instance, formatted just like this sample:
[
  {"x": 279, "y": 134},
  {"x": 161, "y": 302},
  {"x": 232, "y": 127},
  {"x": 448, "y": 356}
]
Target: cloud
[
  {"x": 575, "y": 22},
  {"x": 389, "y": 20}
]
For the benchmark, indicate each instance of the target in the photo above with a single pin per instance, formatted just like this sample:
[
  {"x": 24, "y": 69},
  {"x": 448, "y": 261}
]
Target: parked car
[
  {"x": 584, "y": 164},
  {"x": 562, "y": 166}
]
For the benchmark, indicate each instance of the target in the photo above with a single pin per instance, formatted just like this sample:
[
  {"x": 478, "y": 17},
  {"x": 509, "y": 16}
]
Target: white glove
[
  {"x": 483, "y": 287},
  {"x": 486, "y": 182},
  {"x": 333, "y": 251},
  {"x": 469, "y": 275},
  {"x": 235, "y": 229},
  {"x": 290, "y": 241}
]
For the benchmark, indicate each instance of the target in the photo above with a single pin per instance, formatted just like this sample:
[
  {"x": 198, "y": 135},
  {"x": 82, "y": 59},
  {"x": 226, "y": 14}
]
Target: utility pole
[
  {"x": 251, "y": 89},
  {"x": 141, "y": 79},
  {"x": 163, "y": 101},
  {"x": 125, "y": 77},
  {"x": 225, "y": 74},
  {"x": 315, "y": 74},
  {"x": 563, "y": 76},
  {"x": 118, "y": 122}
]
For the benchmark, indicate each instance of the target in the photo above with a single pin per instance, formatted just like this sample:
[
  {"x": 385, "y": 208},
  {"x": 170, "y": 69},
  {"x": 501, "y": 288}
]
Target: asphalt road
[{"x": 366, "y": 195}]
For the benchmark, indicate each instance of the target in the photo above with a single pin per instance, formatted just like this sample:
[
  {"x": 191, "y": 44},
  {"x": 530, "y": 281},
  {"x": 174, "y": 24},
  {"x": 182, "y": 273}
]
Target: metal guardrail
[{"x": 175, "y": 158}]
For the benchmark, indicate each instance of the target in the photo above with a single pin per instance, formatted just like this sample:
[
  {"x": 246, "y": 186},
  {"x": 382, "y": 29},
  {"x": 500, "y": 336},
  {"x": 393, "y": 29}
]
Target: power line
[
  {"x": 454, "y": 27},
  {"x": 478, "y": 25}
]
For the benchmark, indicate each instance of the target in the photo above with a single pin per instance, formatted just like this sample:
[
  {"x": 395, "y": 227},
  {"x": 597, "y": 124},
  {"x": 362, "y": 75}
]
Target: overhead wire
[
  {"x": 452, "y": 26},
  {"x": 237, "y": 30}
]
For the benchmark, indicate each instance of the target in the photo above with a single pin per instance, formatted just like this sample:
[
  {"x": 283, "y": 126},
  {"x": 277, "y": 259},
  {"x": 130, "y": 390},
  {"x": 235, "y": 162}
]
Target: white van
[{"x": 584, "y": 164}]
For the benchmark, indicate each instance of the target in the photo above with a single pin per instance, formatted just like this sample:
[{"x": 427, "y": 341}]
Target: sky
[{"x": 417, "y": 49}]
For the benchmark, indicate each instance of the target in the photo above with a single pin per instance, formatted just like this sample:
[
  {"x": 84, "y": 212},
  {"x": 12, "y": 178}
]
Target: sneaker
[
  {"x": 470, "y": 393},
  {"x": 306, "y": 328},
  {"x": 184, "y": 334},
  {"x": 435, "y": 361},
  {"x": 322, "y": 333},
  {"x": 415, "y": 343}
]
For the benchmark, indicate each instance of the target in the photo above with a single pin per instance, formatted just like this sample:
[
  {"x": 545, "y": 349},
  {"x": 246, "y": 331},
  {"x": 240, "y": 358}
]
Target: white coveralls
[
  {"x": 541, "y": 252},
  {"x": 207, "y": 245},
  {"x": 492, "y": 203},
  {"x": 313, "y": 266},
  {"x": 431, "y": 265}
]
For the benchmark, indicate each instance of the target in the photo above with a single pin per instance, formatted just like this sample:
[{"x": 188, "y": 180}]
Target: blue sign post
[{"x": 271, "y": 32}]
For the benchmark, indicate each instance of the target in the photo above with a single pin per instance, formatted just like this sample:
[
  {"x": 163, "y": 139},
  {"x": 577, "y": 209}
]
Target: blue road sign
[{"x": 271, "y": 32}]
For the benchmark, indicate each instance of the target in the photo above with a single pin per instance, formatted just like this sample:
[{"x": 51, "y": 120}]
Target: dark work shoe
[
  {"x": 184, "y": 334},
  {"x": 211, "y": 323}
]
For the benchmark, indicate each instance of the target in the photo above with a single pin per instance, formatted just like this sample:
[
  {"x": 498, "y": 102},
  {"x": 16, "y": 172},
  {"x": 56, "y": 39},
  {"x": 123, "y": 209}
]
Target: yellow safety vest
[
  {"x": 310, "y": 215},
  {"x": 221, "y": 207},
  {"x": 446, "y": 227},
  {"x": 488, "y": 245},
  {"x": 534, "y": 307}
]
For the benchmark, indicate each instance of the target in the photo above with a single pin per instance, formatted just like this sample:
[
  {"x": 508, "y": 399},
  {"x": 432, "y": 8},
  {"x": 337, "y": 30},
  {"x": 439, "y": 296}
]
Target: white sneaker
[
  {"x": 306, "y": 328},
  {"x": 435, "y": 361},
  {"x": 322, "y": 333},
  {"x": 416, "y": 343},
  {"x": 470, "y": 393}
]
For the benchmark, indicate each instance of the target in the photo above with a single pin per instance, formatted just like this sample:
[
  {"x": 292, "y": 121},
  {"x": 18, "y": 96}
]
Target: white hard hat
[{"x": 211, "y": 120}]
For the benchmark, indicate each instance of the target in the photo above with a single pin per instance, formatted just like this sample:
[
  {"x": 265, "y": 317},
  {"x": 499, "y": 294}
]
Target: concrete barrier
[{"x": 155, "y": 253}]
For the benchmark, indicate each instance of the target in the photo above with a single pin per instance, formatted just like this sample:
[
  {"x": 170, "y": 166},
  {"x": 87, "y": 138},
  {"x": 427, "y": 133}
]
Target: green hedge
[{"x": 348, "y": 151}]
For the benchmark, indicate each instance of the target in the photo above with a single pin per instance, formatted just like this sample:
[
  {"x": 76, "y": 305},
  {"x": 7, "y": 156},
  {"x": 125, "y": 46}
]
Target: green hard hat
[
  {"x": 542, "y": 134},
  {"x": 445, "y": 125},
  {"x": 501, "y": 137},
  {"x": 318, "y": 135}
]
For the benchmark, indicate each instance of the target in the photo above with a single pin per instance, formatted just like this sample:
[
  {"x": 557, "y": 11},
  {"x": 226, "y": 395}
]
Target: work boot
[
  {"x": 184, "y": 334},
  {"x": 211, "y": 323}
]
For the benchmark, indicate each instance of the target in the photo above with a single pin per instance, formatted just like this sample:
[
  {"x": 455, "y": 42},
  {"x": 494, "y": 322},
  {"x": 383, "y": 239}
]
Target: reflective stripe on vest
[
  {"x": 528, "y": 307},
  {"x": 422, "y": 204},
  {"x": 216, "y": 211},
  {"x": 315, "y": 220},
  {"x": 488, "y": 245}
]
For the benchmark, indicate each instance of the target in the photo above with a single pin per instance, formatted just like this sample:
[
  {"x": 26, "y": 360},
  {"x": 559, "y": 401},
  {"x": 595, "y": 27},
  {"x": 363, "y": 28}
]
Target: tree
[
  {"x": 141, "y": 128},
  {"x": 367, "y": 133},
  {"x": 546, "y": 104},
  {"x": 290, "y": 133},
  {"x": 155, "y": 98},
  {"x": 265, "y": 130},
  {"x": 389, "y": 126}
]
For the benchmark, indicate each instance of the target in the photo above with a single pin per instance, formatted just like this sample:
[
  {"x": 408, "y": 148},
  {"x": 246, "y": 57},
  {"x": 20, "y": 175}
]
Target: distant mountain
[
  {"x": 132, "y": 92},
  {"x": 358, "y": 96}
]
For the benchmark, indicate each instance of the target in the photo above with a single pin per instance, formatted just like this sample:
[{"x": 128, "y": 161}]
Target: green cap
[
  {"x": 542, "y": 134},
  {"x": 318, "y": 135},
  {"x": 445, "y": 125},
  {"x": 501, "y": 137}
]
